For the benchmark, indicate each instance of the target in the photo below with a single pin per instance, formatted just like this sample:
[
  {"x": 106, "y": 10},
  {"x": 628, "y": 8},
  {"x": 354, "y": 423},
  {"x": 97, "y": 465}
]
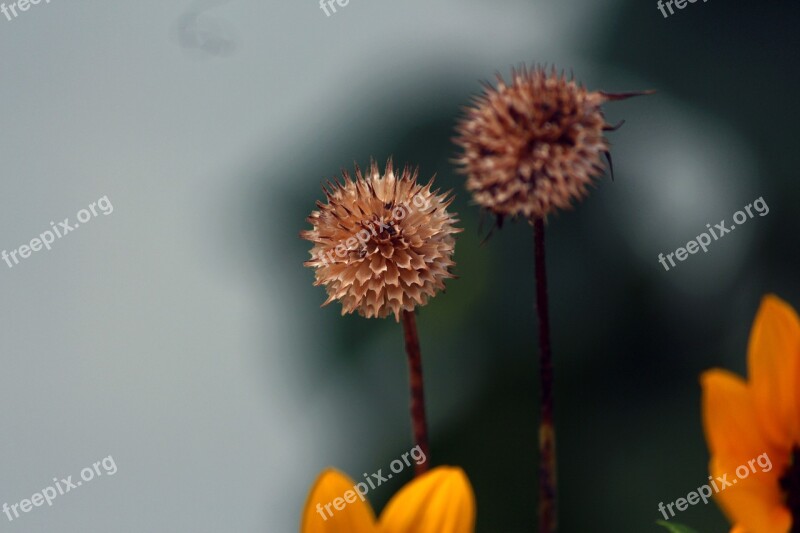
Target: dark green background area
[{"x": 627, "y": 365}]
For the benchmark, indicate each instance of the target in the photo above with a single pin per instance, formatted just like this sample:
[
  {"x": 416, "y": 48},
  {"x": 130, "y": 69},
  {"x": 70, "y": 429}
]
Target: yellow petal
[
  {"x": 331, "y": 490},
  {"x": 754, "y": 504},
  {"x": 440, "y": 501},
  {"x": 774, "y": 370},
  {"x": 730, "y": 420}
]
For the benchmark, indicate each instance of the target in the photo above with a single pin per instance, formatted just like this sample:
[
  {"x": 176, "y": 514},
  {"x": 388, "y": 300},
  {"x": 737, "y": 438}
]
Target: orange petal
[
  {"x": 334, "y": 507},
  {"x": 774, "y": 370},
  {"x": 730, "y": 420},
  {"x": 754, "y": 504},
  {"x": 440, "y": 501}
]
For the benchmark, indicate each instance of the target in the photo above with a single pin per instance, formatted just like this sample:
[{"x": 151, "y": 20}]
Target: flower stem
[
  {"x": 548, "y": 517},
  {"x": 418, "y": 419}
]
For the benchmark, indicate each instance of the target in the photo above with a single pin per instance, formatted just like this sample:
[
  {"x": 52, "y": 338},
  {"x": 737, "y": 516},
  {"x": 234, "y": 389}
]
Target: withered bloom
[
  {"x": 533, "y": 146},
  {"x": 382, "y": 243}
]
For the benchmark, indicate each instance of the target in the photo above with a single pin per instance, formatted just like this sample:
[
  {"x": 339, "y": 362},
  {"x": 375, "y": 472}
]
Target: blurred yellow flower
[
  {"x": 440, "y": 501},
  {"x": 744, "y": 419}
]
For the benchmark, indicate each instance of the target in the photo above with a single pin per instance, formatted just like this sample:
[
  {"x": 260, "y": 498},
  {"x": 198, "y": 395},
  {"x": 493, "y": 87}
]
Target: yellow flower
[
  {"x": 440, "y": 501},
  {"x": 746, "y": 419}
]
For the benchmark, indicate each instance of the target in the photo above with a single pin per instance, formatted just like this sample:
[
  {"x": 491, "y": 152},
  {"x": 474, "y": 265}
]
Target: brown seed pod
[
  {"x": 382, "y": 243},
  {"x": 533, "y": 146}
]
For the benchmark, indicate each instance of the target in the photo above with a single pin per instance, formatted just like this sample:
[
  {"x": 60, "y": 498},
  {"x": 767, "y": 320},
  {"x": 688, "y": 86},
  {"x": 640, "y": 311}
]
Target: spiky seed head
[
  {"x": 382, "y": 243},
  {"x": 533, "y": 146}
]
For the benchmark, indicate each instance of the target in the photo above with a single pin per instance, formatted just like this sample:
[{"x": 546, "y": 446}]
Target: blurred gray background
[{"x": 182, "y": 336}]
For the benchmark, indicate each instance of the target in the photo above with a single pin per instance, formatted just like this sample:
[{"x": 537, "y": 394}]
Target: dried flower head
[
  {"x": 382, "y": 243},
  {"x": 533, "y": 146}
]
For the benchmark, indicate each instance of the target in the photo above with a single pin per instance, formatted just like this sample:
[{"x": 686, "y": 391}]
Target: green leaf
[{"x": 675, "y": 528}]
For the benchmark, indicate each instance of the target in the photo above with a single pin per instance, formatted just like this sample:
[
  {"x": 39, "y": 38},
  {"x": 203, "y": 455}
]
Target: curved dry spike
[
  {"x": 486, "y": 85},
  {"x": 445, "y": 204},
  {"x": 610, "y": 164},
  {"x": 498, "y": 224},
  {"x": 488, "y": 236},
  {"x": 622, "y": 96},
  {"x": 326, "y": 192},
  {"x": 615, "y": 127}
]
